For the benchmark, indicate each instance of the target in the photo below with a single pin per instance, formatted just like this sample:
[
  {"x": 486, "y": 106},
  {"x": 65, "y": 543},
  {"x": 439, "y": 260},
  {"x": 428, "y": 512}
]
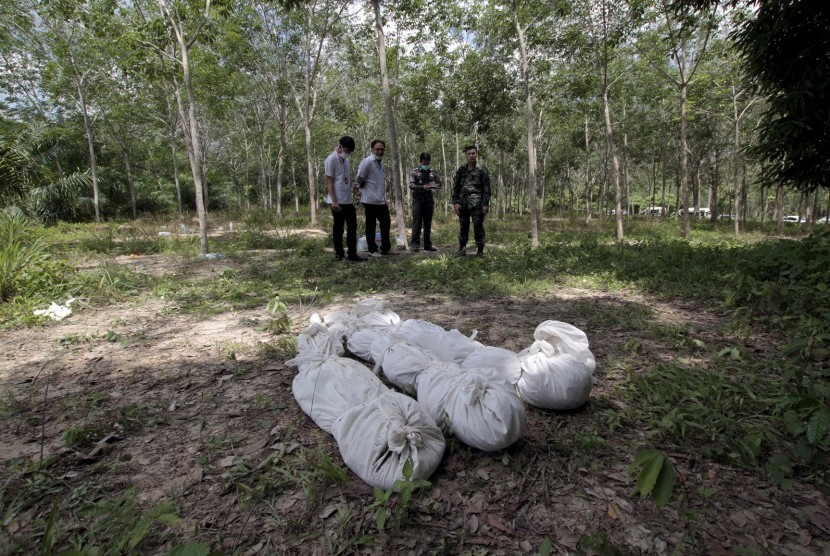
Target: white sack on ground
[
  {"x": 566, "y": 338},
  {"x": 317, "y": 338},
  {"x": 444, "y": 345},
  {"x": 359, "y": 341},
  {"x": 560, "y": 382},
  {"x": 480, "y": 406},
  {"x": 374, "y": 312},
  {"x": 503, "y": 360},
  {"x": 377, "y": 437},
  {"x": 558, "y": 368},
  {"x": 337, "y": 322},
  {"x": 401, "y": 361},
  {"x": 327, "y": 386}
]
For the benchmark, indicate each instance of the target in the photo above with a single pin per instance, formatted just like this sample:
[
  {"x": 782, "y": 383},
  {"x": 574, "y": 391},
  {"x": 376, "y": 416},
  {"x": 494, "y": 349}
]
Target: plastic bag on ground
[
  {"x": 480, "y": 406},
  {"x": 401, "y": 361},
  {"x": 444, "y": 345},
  {"x": 503, "y": 360},
  {"x": 56, "y": 311},
  {"x": 378, "y": 437},
  {"x": 326, "y": 387}
]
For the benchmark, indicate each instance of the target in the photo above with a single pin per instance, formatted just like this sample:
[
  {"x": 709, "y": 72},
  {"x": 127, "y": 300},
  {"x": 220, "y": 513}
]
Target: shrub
[{"x": 19, "y": 256}]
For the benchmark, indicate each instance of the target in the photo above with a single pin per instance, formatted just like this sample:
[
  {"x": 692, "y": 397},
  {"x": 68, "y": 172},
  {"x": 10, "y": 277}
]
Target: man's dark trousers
[
  {"x": 375, "y": 214},
  {"x": 345, "y": 216},
  {"x": 422, "y": 215},
  {"x": 477, "y": 216}
]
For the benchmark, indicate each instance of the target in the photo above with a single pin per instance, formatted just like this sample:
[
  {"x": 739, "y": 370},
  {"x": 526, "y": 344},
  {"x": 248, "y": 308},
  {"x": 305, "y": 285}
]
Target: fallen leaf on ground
[
  {"x": 471, "y": 524},
  {"x": 739, "y": 518},
  {"x": 498, "y": 523},
  {"x": 327, "y": 512},
  {"x": 255, "y": 447}
]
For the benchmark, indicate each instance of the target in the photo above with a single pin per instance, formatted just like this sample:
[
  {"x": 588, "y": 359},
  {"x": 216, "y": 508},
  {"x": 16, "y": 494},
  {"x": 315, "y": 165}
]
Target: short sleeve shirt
[
  {"x": 340, "y": 170},
  {"x": 373, "y": 191}
]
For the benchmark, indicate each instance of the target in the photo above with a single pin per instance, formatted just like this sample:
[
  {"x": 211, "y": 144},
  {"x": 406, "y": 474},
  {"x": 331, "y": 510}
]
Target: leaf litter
[{"x": 204, "y": 430}]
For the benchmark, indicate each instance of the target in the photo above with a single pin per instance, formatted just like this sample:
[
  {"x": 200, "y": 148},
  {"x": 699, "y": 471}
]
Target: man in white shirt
[
  {"x": 371, "y": 180},
  {"x": 339, "y": 197}
]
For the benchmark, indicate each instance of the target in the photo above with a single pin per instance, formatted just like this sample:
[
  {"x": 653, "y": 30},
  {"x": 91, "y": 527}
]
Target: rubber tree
[
  {"x": 684, "y": 41},
  {"x": 608, "y": 23},
  {"x": 391, "y": 126},
  {"x": 305, "y": 35}
]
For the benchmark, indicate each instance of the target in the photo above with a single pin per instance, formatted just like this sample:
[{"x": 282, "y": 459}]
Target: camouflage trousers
[{"x": 477, "y": 216}]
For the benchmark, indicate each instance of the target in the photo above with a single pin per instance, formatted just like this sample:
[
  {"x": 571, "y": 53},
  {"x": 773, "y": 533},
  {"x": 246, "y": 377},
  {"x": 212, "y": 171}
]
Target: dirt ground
[{"x": 207, "y": 393}]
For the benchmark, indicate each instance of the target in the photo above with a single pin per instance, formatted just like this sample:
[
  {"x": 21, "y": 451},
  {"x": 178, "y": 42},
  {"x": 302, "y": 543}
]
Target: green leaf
[
  {"x": 649, "y": 474},
  {"x": 139, "y": 532},
  {"x": 190, "y": 549},
  {"x": 380, "y": 517},
  {"x": 408, "y": 466},
  {"x": 664, "y": 487},
  {"x": 643, "y": 457},
  {"x": 817, "y": 426},
  {"x": 779, "y": 468},
  {"x": 546, "y": 548}
]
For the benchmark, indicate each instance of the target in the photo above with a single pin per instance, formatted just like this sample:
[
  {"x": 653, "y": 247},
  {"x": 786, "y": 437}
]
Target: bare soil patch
[{"x": 195, "y": 407}]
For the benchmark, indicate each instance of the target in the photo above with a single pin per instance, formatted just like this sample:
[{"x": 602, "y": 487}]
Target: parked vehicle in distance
[
  {"x": 726, "y": 217},
  {"x": 792, "y": 218},
  {"x": 701, "y": 212},
  {"x": 653, "y": 211}
]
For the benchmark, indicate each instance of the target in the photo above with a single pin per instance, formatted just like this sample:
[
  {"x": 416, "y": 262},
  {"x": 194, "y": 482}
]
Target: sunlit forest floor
[{"x": 159, "y": 418}]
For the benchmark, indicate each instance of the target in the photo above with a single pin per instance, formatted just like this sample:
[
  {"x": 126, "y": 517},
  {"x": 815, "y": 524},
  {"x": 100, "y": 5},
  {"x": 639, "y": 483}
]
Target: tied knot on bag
[
  {"x": 474, "y": 389},
  {"x": 368, "y": 306},
  {"x": 316, "y": 328},
  {"x": 309, "y": 358},
  {"x": 544, "y": 347},
  {"x": 399, "y": 438}
]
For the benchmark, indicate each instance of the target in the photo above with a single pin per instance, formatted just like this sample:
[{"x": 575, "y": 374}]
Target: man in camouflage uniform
[{"x": 471, "y": 200}]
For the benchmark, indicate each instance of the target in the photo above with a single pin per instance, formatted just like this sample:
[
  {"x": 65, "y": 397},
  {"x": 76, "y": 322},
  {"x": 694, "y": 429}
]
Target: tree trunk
[
  {"x": 713, "y": 192},
  {"x": 90, "y": 141},
  {"x": 500, "y": 181},
  {"x": 125, "y": 155},
  {"x": 447, "y": 185},
  {"x": 390, "y": 123},
  {"x": 609, "y": 143},
  {"x": 531, "y": 134},
  {"x": 684, "y": 161},
  {"x": 263, "y": 185},
  {"x": 174, "y": 153},
  {"x": 779, "y": 209},
  {"x": 194, "y": 152},
  {"x": 587, "y": 173},
  {"x": 312, "y": 182}
]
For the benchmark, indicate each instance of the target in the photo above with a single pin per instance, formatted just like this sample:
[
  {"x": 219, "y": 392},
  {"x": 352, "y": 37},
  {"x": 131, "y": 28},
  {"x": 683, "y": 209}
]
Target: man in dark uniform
[
  {"x": 471, "y": 200},
  {"x": 422, "y": 182}
]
